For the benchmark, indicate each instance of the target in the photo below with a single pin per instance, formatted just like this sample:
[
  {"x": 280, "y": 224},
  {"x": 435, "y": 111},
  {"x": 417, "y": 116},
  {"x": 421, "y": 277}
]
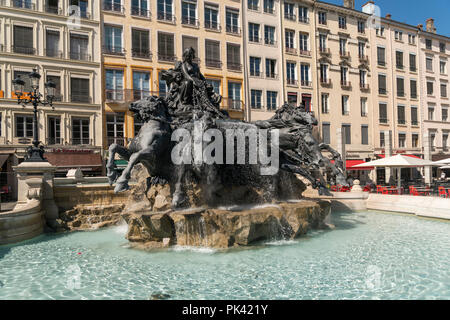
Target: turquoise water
[{"x": 368, "y": 256}]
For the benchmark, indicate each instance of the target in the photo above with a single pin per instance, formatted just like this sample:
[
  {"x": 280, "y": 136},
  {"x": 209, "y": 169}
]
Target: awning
[
  {"x": 350, "y": 163},
  {"x": 382, "y": 156},
  {"x": 65, "y": 161},
  {"x": 3, "y": 158}
]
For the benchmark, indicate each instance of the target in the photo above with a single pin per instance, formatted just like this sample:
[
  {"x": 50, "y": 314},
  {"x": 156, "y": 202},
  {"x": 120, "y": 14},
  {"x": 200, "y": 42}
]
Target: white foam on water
[
  {"x": 249, "y": 207},
  {"x": 281, "y": 242},
  {"x": 121, "y": 229},
  {"x": 193, "y": 249}
]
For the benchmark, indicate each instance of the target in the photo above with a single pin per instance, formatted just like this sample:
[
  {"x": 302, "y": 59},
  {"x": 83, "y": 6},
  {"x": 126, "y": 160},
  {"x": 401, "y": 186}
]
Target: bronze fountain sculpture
[{"x": 192, "y": 101}]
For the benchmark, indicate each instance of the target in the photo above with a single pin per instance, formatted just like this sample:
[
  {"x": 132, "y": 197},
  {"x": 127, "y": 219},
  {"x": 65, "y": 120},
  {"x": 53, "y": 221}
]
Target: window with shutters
[
  {"x": 253, "y": 32},
  {"x": 401, "y": 115},
  {"x": 24, "y": 126},
  {"x": 165, "y": 10},
  {"x": 23, "y": 40},
  {"x": 113, "y": 40},
  {"x": 234, "y": 57},
  {"x": 212, "y": 16},
  {"x": 347, "y": 133},
  {"x": 232, "y": 21},
  {"x": 399, "y": 59},
  {"x": 57, "y": 81},
  {"x": 80, "y": 131},
  {"x": 364, "y": 134},
  {"x": 271, "y": 65},
  {"x": 52, "y": 44},
  {"x": 255, "y": 99},
  {"x": 79, "y": 47},
  {"x": 140, "y": 8},
  {"x": 166, "y": 47},
  {"x": 412, "y": 62},
  {"x": 269, "y": 35},
  {"x": 141, "y": 43},
  {"x": 272, "y": 100},
  {"x": 212, "y": 54},
  {"x": 189, "y": 12},
  {"x": 24, "y": 76},
  {"x": 400, "y": 87},
  {"x": 382, "y": 84},
  {"x": 381, "y": 55},
  {"x": 79, "y": 90},
  {"x": 326, "y": 133},
  {"x": 414, "y": 116},
  {"x": 54, "y": 130},
  {"x": 383, "y": 113},
  {"x": 255, "y": 66},
  {"x": 413, "y": 88}
]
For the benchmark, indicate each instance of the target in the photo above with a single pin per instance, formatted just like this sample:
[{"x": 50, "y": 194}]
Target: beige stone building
[
  {"x": 142, "y": 38},
  {"x": 66, "y": 50},
  {"x": 264, "y": 72},
  {"x": 434, "y": 50}
]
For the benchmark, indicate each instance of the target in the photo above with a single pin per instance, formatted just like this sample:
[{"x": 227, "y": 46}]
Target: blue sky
[{"x": 413, "y": 12}]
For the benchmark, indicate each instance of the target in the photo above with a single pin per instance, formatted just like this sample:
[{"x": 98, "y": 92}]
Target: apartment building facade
[
  {"x": 63, "y": 44},
  {"x": 396, "y": 94},
  {"x": 264, "y": 63},
  {"x": 142, "y": 38}
]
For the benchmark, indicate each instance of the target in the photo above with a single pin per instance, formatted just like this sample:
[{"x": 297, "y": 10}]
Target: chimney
[
  {"x": 430, "y": 25},
  {"x": 389, "y": 16},
  {"x": 349, "y": 4}
]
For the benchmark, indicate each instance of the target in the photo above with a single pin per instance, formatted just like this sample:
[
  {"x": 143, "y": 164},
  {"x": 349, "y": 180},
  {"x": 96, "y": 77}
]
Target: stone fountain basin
[{"x": 225, "y": 227}]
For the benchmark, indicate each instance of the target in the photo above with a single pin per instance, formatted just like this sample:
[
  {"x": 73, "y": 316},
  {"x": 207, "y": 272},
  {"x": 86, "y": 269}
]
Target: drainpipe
[{"x": 244, "y": 22}]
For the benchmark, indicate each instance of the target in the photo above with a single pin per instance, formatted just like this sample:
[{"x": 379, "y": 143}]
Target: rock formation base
[{"x": 227, "y": 227}]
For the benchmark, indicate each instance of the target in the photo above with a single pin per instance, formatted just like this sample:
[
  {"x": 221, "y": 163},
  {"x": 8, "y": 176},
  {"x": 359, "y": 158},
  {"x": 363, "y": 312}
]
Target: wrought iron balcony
[
  {"x": 51, "y": 141},
  {"x": 291, "y": 82},
  {"x": 113, "y": 7},
  {"x": 324, "y": 51},
  {"x": 166, "y": 16},
  {"x": 290, "y": 16},
  {"x": 291, "y": 50},
  {"x": 254, "y": 39},
  {"x": 363, "y": 58},
  {"x": 213, "y": 63},
  {"x": 305, "y": 53},
  {"x": 232, "y": 104},
  {"x": 364, "y": 86},
  {"x": 256, "y": 74},
  {"x": 140, "y": 12},
  {"x": 303, "y": 19},
  {"x": 306, "y": 83},
  {"x": 346, "y": 84},
  {"x": 121, "y": 141},
  {"x": 23, "y": 4},
  {"x": 270, "y": 42},
  {"x": 383, "y": 120},
  {"x": 189, "y": 21},
  {"x": 112, "y": 50},
  {"x": 167, "y": 57},
  {"x": 271, "y": 75},
  {"x": 53, "y": 10},
  {"x": 382, "y": 91},
  {"x": 81, "y": 142},
  {"x": 54, "y": 53},
  {"x": 233, "y": 30},
  {"x": 141, "y": 53},
  {"x": 325, "y": 81},
  {"x": 82, "y": 56},
  {"x": 24, "y": 50},
  {"x": 234, "y": 66},
  {"x": 114, "y": 95},
  {"x": 211, "y": 25},
  {"x": 80, "y": 98},
  {"x": 344, "y": 54}
]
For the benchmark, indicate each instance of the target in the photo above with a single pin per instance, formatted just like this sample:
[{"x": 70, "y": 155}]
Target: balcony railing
[
  {"x": 400, "y": 66},
  {"x": 325, "y": 81},
  {"x": 114, "y": 95},
  {"x": 291, "y": 50},
  {"x": 80, "y": 98},
  {"x": 23, "y": 4},
  {"x": 54, "y": 141},
  {"x": 82, "y": 56},
  {"x": 413, "y": 95},
  {"x": 325, "y": 51},
  {"x": 81, "y": 142},
  {"x": 400, "y": 94},
  {"x": 253, "y": 7},
  {"x": 363, "y": 58},
  {"x": 234, "y": 66},
  {"x": 303, "y": 19},
  {"x": 270, "y": 42},
  {"x": 254, "y": 40},
  {"x": 121, "y": 141},
  {"x": 383, "y": 120},
  {"x": 381, "y": 63},
  {"x": 364, "y": 86},
  {"x": 54, "y": 53},
  {"x": 24, "y": 50},
  {"x": 167, "y": 57},
  {"x": 212, "y": 63},
  {"x": 291, "y": 82},
  {"x": 346, "y": 84},
  {"x": 412, "y": 69},
  {"x": 141, "y": 53},
  {"x": 53, "y": 10},
  {"x": 271, "y": 75},
  {"x": 232, "y": 104},
  {"x": 113, "y": 7},
  {"x": 140, "y": 12},
  {"x": 189, "y": 21},
  {"x": 344, "y": 54},
  {"x": 117, "y": 51},
  {"x": 306, "y": 83},
  {"x": 269, "y": 10},
  {"x": 401, "y": 121},
  {"x": 166, "y": 16},
  {"x": 382, "y": 91},
  {"x": 305, "y": 53},
  {"x": 233, "y": 30},
  {"x": 211, "y": 25},
  {"x": 256, "y": 74},
  {"x": 414, "y": 123},
  {"x": 290, "y": 16}
]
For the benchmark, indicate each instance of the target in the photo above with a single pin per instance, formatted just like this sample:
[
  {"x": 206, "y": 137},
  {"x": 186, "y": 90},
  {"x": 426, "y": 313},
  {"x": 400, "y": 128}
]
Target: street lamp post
[{"x": 35, "y": 98}]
